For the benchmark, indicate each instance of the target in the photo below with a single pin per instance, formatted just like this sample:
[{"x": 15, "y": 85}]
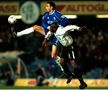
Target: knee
[
  {"x": 53, "y": 55},
  {"x": 35, "y": 27},
  {"x": 62, "y": 60},
  {"x": 74, "y": 64}
]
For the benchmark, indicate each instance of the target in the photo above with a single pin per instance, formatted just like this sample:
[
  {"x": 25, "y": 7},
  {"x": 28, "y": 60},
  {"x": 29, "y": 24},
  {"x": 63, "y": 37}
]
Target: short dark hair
[
  {"x": 54, "y": 26},
  {"x": 52, "y": 4}
]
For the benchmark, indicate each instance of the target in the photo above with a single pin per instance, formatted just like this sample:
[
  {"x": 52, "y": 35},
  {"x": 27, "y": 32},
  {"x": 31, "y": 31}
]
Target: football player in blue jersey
[{"x": 51, "y": 16}]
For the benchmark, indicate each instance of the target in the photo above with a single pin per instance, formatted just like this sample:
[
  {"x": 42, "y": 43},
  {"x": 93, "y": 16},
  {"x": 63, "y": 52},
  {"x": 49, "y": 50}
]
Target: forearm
[
  {"x": 73, "y": 27},
  {"x": 48, "y": 35}
]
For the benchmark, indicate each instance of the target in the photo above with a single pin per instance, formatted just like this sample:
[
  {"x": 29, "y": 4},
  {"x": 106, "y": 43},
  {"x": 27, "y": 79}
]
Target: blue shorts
[
  {"x": 46, "y": 30},
  {"x": 54, "y": 41}
]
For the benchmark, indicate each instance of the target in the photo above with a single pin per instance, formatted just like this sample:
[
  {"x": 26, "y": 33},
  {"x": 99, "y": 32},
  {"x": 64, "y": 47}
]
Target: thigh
[
  {"x": 54, "y": 51},
  {"x": 68, "y": 53},
  {"x": 54, "y": 41},
  {"x": 39, "y": 29}
]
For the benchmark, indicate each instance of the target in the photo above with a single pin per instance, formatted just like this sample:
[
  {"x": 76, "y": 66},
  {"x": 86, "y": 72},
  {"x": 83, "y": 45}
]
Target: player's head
[
  {"x": 50, "y": 6},
  {"x": 53, "y": 27}
]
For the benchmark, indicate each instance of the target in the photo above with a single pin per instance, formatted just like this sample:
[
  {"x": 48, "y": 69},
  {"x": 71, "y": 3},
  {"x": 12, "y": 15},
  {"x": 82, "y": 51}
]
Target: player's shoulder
[
  {"x": 59, "y": 30},
  {"x": 44, "y": 15},
  {"x": 57, "y": 12}
]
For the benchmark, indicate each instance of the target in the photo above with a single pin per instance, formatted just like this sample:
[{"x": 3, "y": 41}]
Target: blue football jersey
[{"x": 55, "y": 16}]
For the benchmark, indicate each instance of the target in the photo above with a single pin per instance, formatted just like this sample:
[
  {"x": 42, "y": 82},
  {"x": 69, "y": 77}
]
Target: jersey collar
[{"x": 52, "y": 12}]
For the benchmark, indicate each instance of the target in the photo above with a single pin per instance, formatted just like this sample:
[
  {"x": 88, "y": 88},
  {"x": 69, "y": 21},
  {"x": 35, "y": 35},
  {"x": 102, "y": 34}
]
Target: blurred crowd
[{"x": 92, "y": 47}]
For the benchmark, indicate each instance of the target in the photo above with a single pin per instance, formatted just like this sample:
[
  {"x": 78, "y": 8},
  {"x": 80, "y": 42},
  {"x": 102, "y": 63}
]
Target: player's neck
[{"x": 51, "y": 12}]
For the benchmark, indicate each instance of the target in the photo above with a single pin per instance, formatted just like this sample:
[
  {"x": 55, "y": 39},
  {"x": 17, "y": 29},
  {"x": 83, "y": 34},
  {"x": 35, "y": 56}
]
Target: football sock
[
  {"x": 66, "y": 69},
  {"x": 78, "y": 75},
  {"x": 24, "y": 32},
  {"x": 58, "y": 63}
]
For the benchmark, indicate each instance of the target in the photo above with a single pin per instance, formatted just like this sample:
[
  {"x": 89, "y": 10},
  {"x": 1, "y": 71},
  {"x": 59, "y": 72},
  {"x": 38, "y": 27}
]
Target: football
[{"x": 12, "y": 19}]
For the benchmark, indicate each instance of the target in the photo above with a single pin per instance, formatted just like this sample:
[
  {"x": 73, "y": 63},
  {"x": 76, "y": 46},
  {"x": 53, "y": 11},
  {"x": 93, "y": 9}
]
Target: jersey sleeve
[
  {"x": 44, "y": 21},
  {"x": 71, "y": 28},
  {"x": 62, "y": 20}
]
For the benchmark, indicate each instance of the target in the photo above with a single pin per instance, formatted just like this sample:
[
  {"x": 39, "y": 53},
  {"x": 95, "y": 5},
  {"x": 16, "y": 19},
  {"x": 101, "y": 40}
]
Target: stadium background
[{"x": 22, "y": 59}]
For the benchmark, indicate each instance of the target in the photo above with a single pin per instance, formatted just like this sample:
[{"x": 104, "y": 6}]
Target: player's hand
[
  {"x": 44, "y": 42},
  {"x": 83, "y": 29}
]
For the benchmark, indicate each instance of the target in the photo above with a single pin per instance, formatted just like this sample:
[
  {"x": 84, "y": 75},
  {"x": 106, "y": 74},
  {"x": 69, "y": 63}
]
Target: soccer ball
[{"x": 12, "y": 19}]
